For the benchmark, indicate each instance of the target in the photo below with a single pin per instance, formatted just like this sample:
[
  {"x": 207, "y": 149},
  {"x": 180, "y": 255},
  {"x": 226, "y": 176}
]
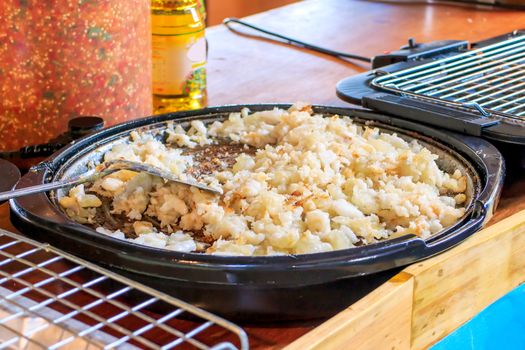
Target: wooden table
[{"x": 246, "y": 70}]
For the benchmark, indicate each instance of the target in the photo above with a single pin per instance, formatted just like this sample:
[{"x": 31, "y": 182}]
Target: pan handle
[
  {"x": 482, "y": 211},
  {"x": 487, "y": 157},
  {"x": 473, "y": 225},
  {"x": 492, "y": 162}
]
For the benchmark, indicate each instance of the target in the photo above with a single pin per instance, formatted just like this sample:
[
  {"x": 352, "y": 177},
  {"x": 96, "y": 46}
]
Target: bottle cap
[{"x": 84, "y": 125}]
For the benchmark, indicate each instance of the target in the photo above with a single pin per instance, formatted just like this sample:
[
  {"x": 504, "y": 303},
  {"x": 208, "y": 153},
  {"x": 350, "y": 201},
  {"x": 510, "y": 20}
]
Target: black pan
[{"x": 256, "y": 288}]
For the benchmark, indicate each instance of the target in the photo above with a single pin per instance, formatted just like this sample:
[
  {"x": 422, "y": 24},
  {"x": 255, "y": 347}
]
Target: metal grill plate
[{"x": 489, "y": 80}]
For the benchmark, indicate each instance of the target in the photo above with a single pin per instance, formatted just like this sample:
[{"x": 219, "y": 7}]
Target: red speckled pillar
[{"x": 62, "y": 58}]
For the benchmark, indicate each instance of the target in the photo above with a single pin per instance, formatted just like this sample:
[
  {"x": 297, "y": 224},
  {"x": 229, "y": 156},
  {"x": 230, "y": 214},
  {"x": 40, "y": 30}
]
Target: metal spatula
[{"x": 105, "y": 169}]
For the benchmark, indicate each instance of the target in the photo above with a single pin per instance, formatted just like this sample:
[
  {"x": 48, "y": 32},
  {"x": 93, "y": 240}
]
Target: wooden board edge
[{"x": 380, "y": 320}]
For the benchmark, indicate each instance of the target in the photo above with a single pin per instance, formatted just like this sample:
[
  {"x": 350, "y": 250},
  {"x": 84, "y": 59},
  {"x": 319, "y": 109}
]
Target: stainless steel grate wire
[
  {"x": 50, "y": 299},
  {"x": 491, "y": 77}
]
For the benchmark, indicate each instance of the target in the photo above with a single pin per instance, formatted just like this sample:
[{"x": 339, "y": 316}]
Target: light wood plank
[{"x": 382, "y": 320}]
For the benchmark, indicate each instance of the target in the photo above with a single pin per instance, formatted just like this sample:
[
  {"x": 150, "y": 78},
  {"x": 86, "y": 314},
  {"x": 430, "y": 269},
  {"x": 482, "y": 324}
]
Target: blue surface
[{"x": 500, "y": 326}]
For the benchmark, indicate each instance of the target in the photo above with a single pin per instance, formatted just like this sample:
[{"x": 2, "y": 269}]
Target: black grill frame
[{"x": 489, "y": 80}]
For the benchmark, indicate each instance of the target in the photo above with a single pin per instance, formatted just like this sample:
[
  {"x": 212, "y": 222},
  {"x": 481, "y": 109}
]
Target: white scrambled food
[{"x": 315, "y": 184}]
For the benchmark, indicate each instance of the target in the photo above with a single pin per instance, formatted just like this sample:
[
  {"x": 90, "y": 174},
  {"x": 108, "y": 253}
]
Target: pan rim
[{"x": 200, "y": 260}]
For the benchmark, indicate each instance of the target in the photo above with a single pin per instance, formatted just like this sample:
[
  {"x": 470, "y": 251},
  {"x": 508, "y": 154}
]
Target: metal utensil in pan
[
  {"x": 103, "y": 170},
  {"x": 264, "y": 287}
]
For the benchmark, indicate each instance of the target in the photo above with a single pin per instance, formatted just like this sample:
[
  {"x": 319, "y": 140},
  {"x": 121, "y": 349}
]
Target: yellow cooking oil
[{"x": 179, "y": 55}]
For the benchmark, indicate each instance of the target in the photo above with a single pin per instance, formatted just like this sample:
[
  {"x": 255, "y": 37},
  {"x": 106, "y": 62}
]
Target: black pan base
[{"x": 257, "y": 304}]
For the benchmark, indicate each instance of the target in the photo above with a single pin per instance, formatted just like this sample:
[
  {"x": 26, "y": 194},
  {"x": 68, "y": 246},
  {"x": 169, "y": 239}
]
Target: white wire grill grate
[
  {"x": 52, "y": 300},
  {"x": 490, "y": 79}
]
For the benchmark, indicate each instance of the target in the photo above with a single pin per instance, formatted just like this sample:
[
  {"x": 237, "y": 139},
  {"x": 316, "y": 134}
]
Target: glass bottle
[{"x": 179, "y": 55}]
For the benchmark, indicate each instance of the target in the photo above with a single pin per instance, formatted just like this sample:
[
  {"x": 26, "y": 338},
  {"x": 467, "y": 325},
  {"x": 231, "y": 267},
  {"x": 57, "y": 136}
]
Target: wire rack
[
  {"x": 52, "y": 300},
  {"x": 490, "y": 79}
]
